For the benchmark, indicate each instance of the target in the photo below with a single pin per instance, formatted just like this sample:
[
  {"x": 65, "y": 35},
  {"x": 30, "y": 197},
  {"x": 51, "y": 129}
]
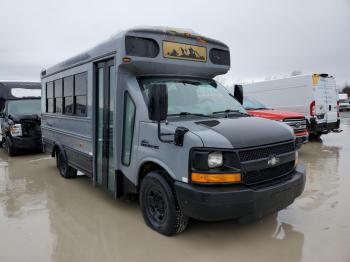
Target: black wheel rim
[
  {"x": 156, "y": 206},
  {"x": 62, "y": 165}
]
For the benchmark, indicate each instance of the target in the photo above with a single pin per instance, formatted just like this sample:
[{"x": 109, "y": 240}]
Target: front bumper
[
  {"x": 302, "y": 137},
  {"x": 314, "y": 127},
  {"x": 19, "y": 142},
  {"x": 344, "y": 107},
  {"x": 239, "y": 202}
]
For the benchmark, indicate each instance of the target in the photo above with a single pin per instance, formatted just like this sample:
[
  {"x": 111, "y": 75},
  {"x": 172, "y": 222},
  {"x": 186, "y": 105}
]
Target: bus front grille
[
  {"x": 268, "y": 174},
  {"x": 265, "y": 152}
]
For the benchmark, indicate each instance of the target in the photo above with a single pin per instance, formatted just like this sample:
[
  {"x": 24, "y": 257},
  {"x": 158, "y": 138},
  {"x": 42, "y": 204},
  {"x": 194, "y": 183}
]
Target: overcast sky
[{"x": 267, "y": 38}]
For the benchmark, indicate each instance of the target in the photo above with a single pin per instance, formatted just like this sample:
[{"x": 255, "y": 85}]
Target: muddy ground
[{"x": 44, "y": 217}]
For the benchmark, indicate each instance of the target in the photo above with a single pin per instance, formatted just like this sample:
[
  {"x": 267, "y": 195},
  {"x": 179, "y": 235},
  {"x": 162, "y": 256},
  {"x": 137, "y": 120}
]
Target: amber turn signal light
[
  {"x": 216, "y": 178},
  {"x": 126, "y": 59}
]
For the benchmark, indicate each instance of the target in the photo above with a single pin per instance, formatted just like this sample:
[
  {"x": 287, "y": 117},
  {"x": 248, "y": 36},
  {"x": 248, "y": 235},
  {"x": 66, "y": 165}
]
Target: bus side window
[
  {"x": 128, "y": 128},
  {"x": 80, "y": 95},
  {"x": 58, "y": 96},
  {"x": 49, "y": 97},
  {"x": 68, "y": 95}
]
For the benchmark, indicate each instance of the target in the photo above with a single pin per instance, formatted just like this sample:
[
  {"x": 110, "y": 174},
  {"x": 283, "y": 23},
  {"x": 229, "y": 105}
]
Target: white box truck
[{"x": 314, "y": 95}]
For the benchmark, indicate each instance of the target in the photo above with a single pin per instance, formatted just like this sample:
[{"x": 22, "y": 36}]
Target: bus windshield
[
  {"x": 24, "y": 107},
  {"x": 250, "y": 103},
  {"x": 195, "y": 96}
]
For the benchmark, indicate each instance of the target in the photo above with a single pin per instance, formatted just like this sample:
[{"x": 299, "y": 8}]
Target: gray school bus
[{"x": 141, "y": 114}]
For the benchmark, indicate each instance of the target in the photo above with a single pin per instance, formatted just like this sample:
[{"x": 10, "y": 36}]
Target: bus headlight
[
  {"x": 215, "y": 159},
  {"x": 16, "y": 130}
]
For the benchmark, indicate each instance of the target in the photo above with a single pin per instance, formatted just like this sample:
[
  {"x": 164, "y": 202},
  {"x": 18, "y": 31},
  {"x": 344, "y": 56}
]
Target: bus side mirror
[
  {"x": 158, "y": 102},
  {"x": 239, "y": 93}
]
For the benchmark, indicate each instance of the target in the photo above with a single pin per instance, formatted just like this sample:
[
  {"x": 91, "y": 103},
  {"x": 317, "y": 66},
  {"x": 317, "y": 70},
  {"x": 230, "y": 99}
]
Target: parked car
[
  {"x": 344, "y": 104},
  {"x": 20, "y": 107},
  {"x": 295, "y": 120},
  {"x": 314, "y": 96}
]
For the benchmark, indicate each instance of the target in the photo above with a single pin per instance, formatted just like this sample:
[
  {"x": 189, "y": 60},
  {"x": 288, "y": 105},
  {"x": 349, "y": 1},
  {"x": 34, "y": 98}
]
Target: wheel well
[
  {"x": 55, "y": 149},
  {"x": 151, "y": 166}
]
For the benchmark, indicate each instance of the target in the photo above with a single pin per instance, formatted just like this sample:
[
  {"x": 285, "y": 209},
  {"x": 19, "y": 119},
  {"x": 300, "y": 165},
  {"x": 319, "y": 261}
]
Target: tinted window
[
  {"x": 50, "y": 105},
  {"x": 80, "y": 105},
  {"x": 219, "y": 56},
  {"x": 128, "y": 128},
  {"x": 59, "y": 105},
  {"x": 68, "y": 105},
  {"x": 138, "y": 46},
  {"x": 49, "y": 90},
  {"x": 58, "y": 88},
  {"x": 68, "y": 86},
  {"x": 81, "y": 84},
  {"x": 58, "y": 96}
]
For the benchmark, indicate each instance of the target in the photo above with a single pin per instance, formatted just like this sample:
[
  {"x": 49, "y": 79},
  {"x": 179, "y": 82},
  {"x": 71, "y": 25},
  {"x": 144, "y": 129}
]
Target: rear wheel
[
  {"x": 66, "y": 171},
  {"x": 159, "y": 206}
]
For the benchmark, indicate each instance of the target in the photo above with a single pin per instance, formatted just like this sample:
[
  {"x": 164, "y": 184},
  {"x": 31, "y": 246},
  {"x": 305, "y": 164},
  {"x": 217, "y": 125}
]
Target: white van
[
  {"x": 344, "y": 103},
  {"x": 315, "y": 96}
]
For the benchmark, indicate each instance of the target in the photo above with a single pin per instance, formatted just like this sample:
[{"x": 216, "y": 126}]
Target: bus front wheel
[{"x": 159, "y": 206}]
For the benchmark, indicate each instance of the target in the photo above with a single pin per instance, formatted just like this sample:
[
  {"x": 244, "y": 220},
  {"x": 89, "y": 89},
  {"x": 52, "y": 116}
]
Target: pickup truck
[{"x": 294, "y": 120}]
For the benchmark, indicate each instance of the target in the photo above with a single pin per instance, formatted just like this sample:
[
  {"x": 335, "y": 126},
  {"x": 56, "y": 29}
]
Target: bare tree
[
  {"x": 296, "y": 73},
  {"x": 346, "y": 89}
]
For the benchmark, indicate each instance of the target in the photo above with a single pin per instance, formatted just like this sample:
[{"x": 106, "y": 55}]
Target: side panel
[
  {"x": 291, "y": 94},
  {"x": 174, "y": 159},
  {"x": 72, "y": 132}
]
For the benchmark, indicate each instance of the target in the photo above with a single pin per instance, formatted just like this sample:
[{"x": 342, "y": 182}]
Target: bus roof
[{"x": 110, "y": 46}]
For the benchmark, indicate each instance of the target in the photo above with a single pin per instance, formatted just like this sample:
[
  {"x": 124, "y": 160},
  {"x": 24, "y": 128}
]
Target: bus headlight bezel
[{"x": 214, "y": 166}]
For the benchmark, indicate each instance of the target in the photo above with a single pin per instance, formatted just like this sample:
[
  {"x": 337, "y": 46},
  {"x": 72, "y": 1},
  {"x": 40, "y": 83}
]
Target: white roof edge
[
  {"x": 281, "y": 78},
  {"x": 19, "y": 81}
]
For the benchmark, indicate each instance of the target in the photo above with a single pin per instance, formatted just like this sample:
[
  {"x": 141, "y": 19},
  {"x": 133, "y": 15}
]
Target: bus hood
[{"x": 238, "y": 132}]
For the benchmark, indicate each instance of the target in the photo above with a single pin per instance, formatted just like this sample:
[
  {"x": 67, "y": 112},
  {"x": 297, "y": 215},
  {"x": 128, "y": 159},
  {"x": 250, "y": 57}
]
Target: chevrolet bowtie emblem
[{"x": 273, "y": 160}]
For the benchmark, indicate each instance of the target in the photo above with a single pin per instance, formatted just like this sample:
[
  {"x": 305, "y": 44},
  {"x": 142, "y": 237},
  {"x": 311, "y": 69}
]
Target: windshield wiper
[
  {"x": 227, "y": 111},
  {"x": 189, "y": 114}
]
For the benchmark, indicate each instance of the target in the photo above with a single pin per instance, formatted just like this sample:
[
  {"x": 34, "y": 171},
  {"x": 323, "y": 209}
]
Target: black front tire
[
  {"x": 11, "y": 151},
  {"x": 65, "y": 170},
  {"x": 159, "y": 205}
]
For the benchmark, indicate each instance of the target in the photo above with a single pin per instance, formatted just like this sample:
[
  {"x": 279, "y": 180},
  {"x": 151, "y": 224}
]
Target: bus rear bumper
[{"x": 239, "y": 202}]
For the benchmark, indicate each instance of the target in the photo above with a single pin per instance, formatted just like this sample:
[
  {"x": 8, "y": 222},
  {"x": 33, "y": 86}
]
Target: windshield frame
[
  {"x": 20, "y": 100},
  {"x": 242, "y": 112}
]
